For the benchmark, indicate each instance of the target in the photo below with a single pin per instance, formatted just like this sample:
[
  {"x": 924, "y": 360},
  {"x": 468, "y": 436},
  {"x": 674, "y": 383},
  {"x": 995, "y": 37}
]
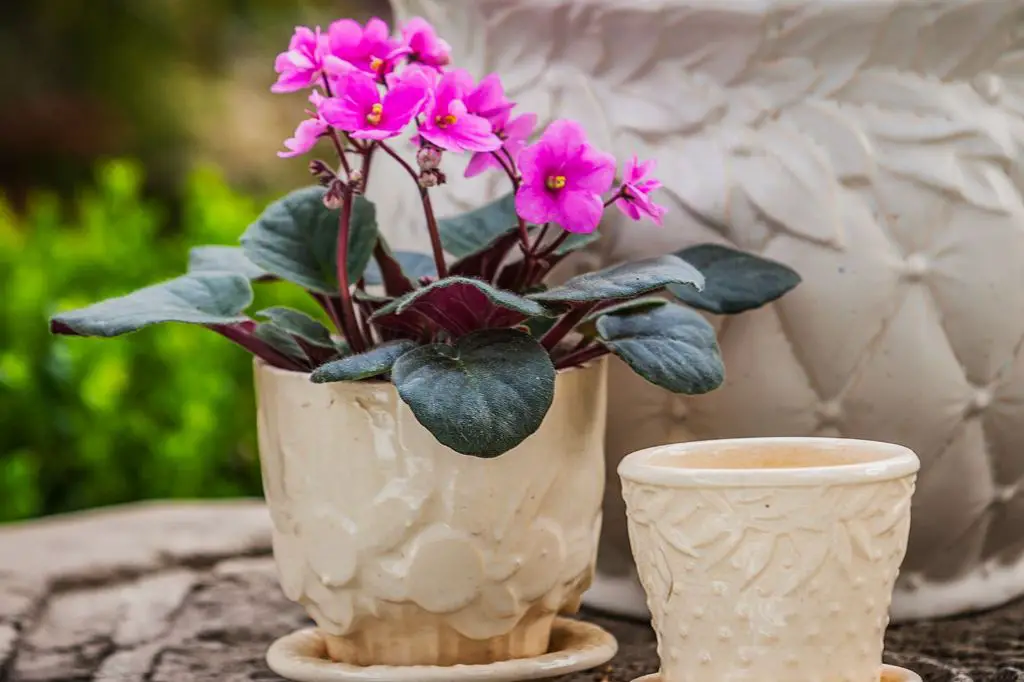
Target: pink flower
[
  {"x": 300, "y": 65},
  {"x": 635, "y": 200},
  {"x": 563, "y": 179},
  {"x": 370, "y": 48},
  {"x": 424, "y": 45},
  {"x": 488, "y": 99},
  {"x": 450, "y": 125},
  {"x": 359, "y": 110},
  {"x": 308, "y": 131},
  {"x": 512, "y": 132}
]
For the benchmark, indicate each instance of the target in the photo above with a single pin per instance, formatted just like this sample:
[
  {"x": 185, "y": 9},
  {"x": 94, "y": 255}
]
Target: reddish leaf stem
[
  {"x": 261, "y": 349},
  {"x": 565, "y": 325},
  {"x": 581, "y": 356}
]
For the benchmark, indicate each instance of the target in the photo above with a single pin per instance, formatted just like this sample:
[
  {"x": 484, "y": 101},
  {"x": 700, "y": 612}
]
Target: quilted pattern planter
[{"x": 874, "y": 146}]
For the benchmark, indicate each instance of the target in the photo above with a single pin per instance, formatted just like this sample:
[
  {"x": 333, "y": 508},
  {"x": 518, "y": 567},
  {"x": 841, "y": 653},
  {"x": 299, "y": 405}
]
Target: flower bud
[
  {"x": 428, "y": 179},
  {"x": 319, "y": 170},
  {"x": 334, "y": 194},
  {"x": 428, "y": 158}
]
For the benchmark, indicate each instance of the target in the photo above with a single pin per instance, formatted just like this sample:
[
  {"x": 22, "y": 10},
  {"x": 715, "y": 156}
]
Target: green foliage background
[{"x": 165, "y": 412}]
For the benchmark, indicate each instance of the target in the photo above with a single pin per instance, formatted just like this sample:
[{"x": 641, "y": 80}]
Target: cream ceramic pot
[
  {"x": 874, "y": 146},
  {"x": 769, "y": 559},
  {"x": 407, "y": 553}
]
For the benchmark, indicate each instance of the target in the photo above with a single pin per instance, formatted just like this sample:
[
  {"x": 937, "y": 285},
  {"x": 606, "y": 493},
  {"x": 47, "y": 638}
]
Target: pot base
[
  {"x": 890, "y": 673},
  {"x": 575, "y": 645}
]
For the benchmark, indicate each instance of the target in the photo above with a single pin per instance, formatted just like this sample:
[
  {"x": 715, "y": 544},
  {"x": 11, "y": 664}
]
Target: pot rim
[
  {"x": 883, "y": 461},
  {"x": 262, "y": 365}
]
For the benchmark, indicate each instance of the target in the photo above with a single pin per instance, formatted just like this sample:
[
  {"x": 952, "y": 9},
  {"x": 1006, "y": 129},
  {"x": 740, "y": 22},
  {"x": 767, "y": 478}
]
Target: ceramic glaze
[
  {"x": 405, "y": 552},
  {"x": 875, "y": 146},
  {"x": 769, "y": 559}
]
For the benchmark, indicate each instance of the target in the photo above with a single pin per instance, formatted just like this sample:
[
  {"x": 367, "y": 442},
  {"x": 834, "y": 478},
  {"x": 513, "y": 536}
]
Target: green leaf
[
  {"x": 198, "y": 298},
  {"x": 296, "y": 239},
  {"x": 414, "y": 266},
  {"x": 461, "y": 305},
  {"x": 280, "y": 340},
  {"x": 669, "y": 346},
  {"x": 474, "y": 230},
  {"x": 484, "y": 395},
  {"x": 373, "y": 362},
  {"x": 218, "y": 258},
  {"x": 588, "y": 326},
  {"x": 624, "y": 281},
  {"x": 736, "y": 281},
  {"x": 299, "y": 324}
]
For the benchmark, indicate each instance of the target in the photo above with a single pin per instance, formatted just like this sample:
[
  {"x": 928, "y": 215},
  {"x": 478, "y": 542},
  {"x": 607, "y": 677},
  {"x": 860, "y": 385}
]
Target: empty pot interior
[{"x": 765, "y": 456}]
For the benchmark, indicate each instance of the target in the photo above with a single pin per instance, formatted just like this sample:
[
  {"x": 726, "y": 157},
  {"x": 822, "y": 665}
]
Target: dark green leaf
[
  {"x": 474, "y": 230},
  {"x": 199, "y": 298},
  {"x": 624, "y": 281},
  {"x": 225, "y": 259},
  {"x": 280, "y": 340},
  {"x": 296, "y": 239},
  {"x": 669, "y": 346},
  {"x": 484, "y": 395},
  {"x": 299, "y": 324},
  {"x": 373, "y": 362},
  {"x": 736, "y": 281},
  {"x": 634, "y": 305},
  {"x": 414, "y": 266},
  {"x": 461, "y": 305}
]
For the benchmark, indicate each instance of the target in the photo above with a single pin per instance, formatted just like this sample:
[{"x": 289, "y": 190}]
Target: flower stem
[
  {"x": 510, "y": 171},
  {"x": 340, "y": 148},
  {"x": 428, "y": 211},
  {"x": 350, "y": 324},
  {"x": 540, "y": 239},
  {"x": 581, "y": 356},
  {"x": 565, "y": 325},
  {"x": 554, "y": 245}
]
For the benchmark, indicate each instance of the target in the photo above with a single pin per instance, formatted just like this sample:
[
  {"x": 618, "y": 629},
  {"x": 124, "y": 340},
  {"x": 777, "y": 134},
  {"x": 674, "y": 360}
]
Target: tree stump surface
[{"x": 187, "y": 592}]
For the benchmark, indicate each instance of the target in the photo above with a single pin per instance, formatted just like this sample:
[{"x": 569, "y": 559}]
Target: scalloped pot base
[
  {"x": 575, "y": 645},
  {"x": 889, "y": 673}
]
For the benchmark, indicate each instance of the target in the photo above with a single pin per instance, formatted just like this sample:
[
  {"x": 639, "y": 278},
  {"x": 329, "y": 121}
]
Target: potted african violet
[{"x": 432, "y": 447}]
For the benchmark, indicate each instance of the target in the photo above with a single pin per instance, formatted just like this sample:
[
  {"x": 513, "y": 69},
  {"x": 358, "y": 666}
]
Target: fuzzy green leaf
[
  {"x": 280, "y": 340},
  {"x": 296, "y": 239},
  {"x": 474, "y": 230},
  {"x": 414, "y": 266},
  {"x": 198, "y": 298},
  {"x": 373, "y": 362},
  {"x": 735, "y": 281},
  {"x": 669, "y": 346},
  {"x": 217, "y": 258},
  {"x": 627, "y": 280},
  {"x": 298, "y": 323},
  {"x": 482, "y": 396}
]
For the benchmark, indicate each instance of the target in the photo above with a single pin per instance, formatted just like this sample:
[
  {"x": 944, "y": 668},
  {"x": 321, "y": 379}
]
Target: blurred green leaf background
[{"x": 130, "y": 131}]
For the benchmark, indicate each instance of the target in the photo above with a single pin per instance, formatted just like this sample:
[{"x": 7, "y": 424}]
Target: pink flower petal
[
  {"x": 480, "y": 162},
  {"x": 579, "y": 211},
  {"x": 565, "y": 137},
  {"x": 532, "y": 163},
  {"x": 520, "y": 127},
  {"x": 535, "y": 204},
  {"x": 403, "y": 103},
  {"x": 592, "y": 170}
]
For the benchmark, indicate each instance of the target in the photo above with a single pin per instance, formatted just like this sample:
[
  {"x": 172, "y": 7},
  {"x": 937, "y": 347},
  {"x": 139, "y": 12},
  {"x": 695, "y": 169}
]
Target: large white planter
[
  {"x": 407, "y": 553},
  {"x": 874, "y": 146}
]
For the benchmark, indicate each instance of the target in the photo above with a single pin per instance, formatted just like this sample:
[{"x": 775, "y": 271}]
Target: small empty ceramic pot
[{"x": 769, "y": 558}]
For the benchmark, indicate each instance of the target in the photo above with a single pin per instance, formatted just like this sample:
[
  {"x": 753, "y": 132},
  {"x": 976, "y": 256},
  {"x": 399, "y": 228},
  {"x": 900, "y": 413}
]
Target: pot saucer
[
  {"x": 890, "y": 673},
  {"x": 575, "y": 645}
]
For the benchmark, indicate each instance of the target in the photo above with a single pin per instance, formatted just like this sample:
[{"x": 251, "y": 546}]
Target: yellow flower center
[
  {"x": 555, "y": 181},
  {"x": 376, "y": 111},
  {"x": 445, "y": 121},
  {"x": 376, "y": 63}
]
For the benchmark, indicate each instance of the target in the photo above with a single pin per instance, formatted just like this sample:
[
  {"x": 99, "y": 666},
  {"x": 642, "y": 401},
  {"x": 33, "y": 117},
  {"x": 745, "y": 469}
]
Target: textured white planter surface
[
  {"x": 874, "y": 146},
  {"x": 769, "y": 559},
  {"x": 407, "y": 553}
]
